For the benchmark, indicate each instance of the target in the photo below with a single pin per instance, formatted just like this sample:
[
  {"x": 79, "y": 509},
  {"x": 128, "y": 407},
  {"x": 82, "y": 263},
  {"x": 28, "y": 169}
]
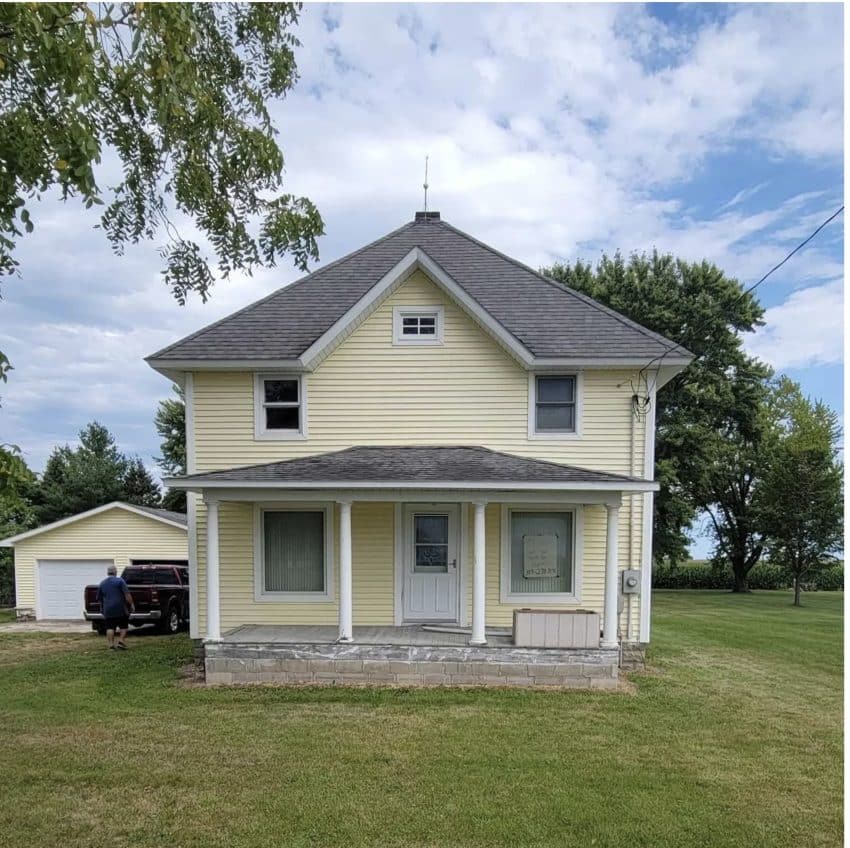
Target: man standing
[{"x": 116, "y": 604}]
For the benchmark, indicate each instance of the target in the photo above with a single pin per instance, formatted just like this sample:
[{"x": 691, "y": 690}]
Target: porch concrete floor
[{"x": 319, "y": 634}]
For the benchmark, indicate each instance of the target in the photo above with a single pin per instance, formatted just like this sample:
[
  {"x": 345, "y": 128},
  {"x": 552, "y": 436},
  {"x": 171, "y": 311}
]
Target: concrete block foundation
[{"x": 227, "y": 663}]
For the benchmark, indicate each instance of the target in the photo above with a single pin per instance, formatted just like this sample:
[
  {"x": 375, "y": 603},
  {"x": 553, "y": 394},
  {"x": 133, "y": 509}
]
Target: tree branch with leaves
[{"x": 180, "y": 94}]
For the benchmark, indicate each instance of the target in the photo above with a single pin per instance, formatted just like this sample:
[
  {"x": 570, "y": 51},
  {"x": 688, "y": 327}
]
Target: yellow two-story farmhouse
[{"x": 423, "y": 463}]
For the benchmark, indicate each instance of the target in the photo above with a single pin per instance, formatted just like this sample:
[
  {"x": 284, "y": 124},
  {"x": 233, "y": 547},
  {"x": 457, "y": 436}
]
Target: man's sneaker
[{"x": 121, "y": 646}]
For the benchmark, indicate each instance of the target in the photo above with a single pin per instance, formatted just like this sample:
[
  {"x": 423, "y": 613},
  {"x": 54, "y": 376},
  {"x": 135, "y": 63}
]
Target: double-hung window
[
  {"x": 293, "y": 553},
  {"x": 279, "y": 407},
  {"x": 554, "y": 405}
]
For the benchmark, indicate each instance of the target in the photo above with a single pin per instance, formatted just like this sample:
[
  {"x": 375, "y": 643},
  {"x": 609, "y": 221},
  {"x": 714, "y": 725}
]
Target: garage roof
[{"x": 175, "y": 519}]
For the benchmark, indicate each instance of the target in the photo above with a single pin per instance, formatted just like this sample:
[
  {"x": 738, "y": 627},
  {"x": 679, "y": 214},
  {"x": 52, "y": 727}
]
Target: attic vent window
[{"x": 418, "y": 325}]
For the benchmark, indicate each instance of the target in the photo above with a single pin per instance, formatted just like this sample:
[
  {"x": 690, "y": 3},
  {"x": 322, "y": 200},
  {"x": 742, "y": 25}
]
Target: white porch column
[
  {"x": 479, "y": 612},
  {"x": 345, "y": 590},
  {"x": 609, "y": 620},
  {"x": 213, "y": 603}
]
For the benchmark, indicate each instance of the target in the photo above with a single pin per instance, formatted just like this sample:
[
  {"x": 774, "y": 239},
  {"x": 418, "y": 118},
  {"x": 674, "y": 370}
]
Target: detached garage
[{"x": 54, "y": 563}]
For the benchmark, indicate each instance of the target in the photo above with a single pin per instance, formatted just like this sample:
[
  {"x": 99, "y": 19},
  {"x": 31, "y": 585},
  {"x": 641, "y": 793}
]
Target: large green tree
[
  {"x": 801, "y": 502},
  {"x": 170, "y": 422},
  {"x": 698, "y": 306},
  {"x": 139, "y": 487},
  {"x": 93, "y": 473},
  {"x": 83, "y": 477},
  {"x": 728, "y": 485},
  {"x": 178, "y": 94}
]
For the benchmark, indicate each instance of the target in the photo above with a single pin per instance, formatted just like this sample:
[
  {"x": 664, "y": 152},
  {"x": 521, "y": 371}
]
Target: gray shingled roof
[
  {"x": 394, "y": 464},
  {"x": 548, "y": 318},
  {"x": 167, "y": 514}
]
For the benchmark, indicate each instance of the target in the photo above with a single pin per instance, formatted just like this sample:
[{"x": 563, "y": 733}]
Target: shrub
[
  {"x": 697, "y": 574},
  {"x": 830, "y": 579}
]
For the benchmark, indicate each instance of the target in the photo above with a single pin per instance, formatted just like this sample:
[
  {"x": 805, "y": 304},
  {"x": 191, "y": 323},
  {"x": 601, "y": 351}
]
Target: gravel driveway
[{"x": 46, "y": 627}]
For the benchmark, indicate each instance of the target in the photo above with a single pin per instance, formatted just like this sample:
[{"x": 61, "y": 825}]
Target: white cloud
[
  {"x": 554, "y": 132},
  {"x": 807, "y": 329}
]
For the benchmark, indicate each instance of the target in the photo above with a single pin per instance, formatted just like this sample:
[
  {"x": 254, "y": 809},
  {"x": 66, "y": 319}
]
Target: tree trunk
[
  {"x": 797, "y": 590},
  {"x": 741, "y": 584}
]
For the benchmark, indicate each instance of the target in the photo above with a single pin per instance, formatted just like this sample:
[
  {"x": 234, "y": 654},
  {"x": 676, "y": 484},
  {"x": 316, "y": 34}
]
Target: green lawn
[{"x": 733, "y": 738}]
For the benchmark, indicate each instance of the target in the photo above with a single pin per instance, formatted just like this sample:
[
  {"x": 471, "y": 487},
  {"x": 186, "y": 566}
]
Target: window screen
[
  {"x": 556, "y": 405},
  {"x": 541, "y": 552},
  {"x": 294, "y": 558}
]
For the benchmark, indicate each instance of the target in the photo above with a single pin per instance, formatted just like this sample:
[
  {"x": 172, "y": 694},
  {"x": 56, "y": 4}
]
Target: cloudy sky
[{"x": 554, "y": 133}]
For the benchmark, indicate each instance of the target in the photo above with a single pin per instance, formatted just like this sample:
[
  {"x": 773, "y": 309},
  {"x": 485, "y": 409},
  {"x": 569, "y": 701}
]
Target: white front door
[{"x": 431, "y": 554}]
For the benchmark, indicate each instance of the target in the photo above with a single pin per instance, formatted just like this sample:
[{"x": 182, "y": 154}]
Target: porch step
[{"x": 466, "y": 631}]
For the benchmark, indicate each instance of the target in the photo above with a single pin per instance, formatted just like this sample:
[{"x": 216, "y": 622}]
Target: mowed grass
[{"x": 733, "y": 738}]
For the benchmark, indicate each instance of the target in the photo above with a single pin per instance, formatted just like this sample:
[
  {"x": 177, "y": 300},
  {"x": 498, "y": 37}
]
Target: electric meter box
[{"x": 631, "y": 582}]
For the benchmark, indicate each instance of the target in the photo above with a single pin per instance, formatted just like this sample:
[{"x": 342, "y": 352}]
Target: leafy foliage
[
  {"x": 16, "y": 516},
  {"x": 92, "y": 474},
  {"x": 765, "y": 575},
  {"x": 698, "y": 306},
  {"x": 728, "y": 486},
  {"x": 801, "y": 505},
  {"x": 178, "y": 93},
  {"x": 170, "y": 422},
  {"x": 139, "y": 487}
]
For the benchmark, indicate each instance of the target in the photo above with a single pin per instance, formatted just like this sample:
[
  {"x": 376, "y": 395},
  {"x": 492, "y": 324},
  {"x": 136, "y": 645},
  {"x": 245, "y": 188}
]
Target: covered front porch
[{"x": 405, "y": 579}]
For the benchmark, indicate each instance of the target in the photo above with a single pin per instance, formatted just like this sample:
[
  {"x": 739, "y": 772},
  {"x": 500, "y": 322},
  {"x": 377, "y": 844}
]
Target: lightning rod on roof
[{"x": 425, "y": 184}]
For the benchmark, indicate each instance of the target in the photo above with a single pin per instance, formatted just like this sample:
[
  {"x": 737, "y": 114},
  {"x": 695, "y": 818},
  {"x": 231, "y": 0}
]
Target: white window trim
[
  {"x": 260, "y": 430},
  {"x": 574, "y": 597},
  {"x": 401, "y": 312},
  {"x": 260, "y": 593},
  {"x": 553, "y": 435}
]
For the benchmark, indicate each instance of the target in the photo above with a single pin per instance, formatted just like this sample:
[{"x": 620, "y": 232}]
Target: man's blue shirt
[{"x": 111, "y": 594}]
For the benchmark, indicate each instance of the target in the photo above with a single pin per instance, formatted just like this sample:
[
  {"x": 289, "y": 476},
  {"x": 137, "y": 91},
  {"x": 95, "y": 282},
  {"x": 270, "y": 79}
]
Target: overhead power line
[{"x": 661, "y": 357}]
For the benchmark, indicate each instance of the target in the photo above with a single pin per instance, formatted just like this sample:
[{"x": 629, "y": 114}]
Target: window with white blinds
[{"x": 294, "y": 553}]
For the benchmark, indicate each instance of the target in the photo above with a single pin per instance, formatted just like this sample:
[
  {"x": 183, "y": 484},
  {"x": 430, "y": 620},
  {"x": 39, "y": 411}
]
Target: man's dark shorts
[{"x": 121, "y": 622}]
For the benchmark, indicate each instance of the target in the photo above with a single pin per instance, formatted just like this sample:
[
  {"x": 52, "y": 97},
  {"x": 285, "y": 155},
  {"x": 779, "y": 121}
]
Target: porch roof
[{"x": 375, "y": 467}]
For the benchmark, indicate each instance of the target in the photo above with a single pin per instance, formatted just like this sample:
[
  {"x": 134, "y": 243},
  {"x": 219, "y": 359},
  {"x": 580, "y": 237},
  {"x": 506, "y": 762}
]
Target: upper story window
[
  {"x": 554, "y": 405},
  {"x": 280, "y": 406},
  {"x": 418, "y": 325}
]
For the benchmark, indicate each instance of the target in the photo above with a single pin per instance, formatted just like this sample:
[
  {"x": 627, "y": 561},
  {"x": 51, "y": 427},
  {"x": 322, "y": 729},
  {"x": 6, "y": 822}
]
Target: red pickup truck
[{"x": 160, "y": 595}]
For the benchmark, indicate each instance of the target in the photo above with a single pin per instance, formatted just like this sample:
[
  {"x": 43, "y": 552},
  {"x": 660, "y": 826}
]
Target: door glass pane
[
  {"x": 431, "y": 543},
  {"x": 294, "y": 551},
  {"x": 281, "y": 391},
  {"x": 432, "y": 528},
  {"x": 556, "y": 389},
  {"x": 541, "y": 552},
  {"x": 432, "y": 557},
  {"x": 556, "y": 417}
]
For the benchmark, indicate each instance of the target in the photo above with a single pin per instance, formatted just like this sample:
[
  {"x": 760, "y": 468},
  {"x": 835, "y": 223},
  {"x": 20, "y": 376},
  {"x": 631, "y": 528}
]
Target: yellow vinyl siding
[
  {"x": 467, "y": 391},
  {"x": 368, "y": 391},
  {"x": 372, "y": 570},
  {"x": 115, "y": 534}
]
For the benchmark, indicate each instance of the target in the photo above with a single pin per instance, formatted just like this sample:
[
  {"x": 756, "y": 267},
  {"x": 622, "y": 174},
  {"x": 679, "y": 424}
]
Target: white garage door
[{"x": 61, "y": 584}]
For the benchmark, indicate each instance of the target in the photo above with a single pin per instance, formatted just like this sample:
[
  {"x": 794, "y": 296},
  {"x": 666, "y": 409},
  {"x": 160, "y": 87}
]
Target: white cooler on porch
[{"x": 542, "y": 628}]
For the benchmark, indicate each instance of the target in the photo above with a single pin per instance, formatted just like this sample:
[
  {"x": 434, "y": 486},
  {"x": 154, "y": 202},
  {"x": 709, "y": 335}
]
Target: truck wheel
[
  {"x": 100, "y": 627},
  {"x": 171, "y": 622}
]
